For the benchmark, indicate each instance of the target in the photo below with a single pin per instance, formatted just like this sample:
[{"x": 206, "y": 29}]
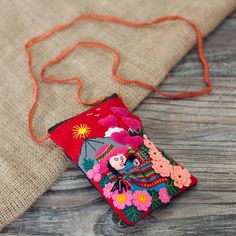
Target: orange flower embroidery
[{"x": 181, "y": 177}]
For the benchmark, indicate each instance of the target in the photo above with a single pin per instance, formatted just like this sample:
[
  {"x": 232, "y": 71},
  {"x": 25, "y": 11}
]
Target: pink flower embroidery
[
  {"x": 96, "y": 168},
  {"x": 155, "y": 154},
  {"x": 162, "y": 167},
  {"x": 142, "y": 200},
  {"x": 120, "y": 200},
  {"x": 94, "y": 173},
  {"x": 107, "y": 190},
  {"x": 164, "y": 195},
  {"x": 90, "y": 174},
  {"x": 97, "y": 177},
  {"x": 180, "y": 176}
]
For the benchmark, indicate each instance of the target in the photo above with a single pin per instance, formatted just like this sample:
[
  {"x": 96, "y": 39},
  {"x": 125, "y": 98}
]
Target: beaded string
[{"x": 115, "y": 65}]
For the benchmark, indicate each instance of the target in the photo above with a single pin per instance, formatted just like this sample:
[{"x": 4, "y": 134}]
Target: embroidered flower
[
  {"x": 96, "y": 168},
  {"x": 90, "y": 174},
  {"x": 94, "y": 173},
  {"x": 120, "y": 200},
  {"x": 97, "y": 177},
  {"x": 164, "y": 195},
  {"x": 142, "y": 200},
  {"x": 107, "y": 190},
  {"x": 181, "y": 176},
  {"x": 155, "y": 154},
  {"x": 148, "y": 143},
  {"x": 162, "y": 167}
]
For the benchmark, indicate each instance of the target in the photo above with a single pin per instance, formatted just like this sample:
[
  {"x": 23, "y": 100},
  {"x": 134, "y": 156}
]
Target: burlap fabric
[{"x": 27, "y": 169}]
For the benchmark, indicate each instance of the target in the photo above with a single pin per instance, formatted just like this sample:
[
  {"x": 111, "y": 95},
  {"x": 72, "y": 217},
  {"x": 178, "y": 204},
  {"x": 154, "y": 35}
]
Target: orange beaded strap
[{"x": 115, "y": 65}]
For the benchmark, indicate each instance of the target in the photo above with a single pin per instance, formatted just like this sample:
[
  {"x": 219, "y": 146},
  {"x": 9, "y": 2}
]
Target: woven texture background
[{"x": 27, "y": 169}]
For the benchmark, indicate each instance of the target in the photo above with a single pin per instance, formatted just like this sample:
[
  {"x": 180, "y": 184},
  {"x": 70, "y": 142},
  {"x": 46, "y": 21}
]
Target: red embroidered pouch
[{"x": 110, "y": 146}]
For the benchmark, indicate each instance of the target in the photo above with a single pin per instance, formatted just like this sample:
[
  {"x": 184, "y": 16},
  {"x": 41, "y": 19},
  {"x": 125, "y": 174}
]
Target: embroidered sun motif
[{"x": 81, "y": 131}]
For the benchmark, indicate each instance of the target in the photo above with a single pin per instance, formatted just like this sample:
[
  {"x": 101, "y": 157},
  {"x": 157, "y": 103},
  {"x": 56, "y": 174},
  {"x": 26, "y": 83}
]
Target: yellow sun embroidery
[{"x": 81, "y": 131}]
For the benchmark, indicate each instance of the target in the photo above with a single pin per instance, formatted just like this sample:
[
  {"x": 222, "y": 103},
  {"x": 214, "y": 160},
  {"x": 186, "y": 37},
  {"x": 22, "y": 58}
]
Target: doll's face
[{"x": 118, "y": 161}]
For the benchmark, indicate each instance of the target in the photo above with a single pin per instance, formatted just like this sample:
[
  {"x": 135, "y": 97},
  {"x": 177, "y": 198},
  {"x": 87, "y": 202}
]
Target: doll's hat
[{"x": 107, "y": 151}]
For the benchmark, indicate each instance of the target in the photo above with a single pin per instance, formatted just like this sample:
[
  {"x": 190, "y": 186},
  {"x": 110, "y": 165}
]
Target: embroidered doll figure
[{"x": 128, "y": 170}]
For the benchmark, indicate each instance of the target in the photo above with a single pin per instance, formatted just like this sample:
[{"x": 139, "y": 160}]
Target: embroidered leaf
[
  {"x": 132, "y": 213},
  {"x": 172, "y": 189},
  {"x": 144, "y": 152},
  {"x": 144, "y": 148},
  {"x": 88, "y": 164},
  {"x": 131, "y": 151},
  {"x": 172, "y": 162},
  {"x": 156, "y": 203},
  {"x": 104, "y": 181},
  {"x": 141, "y": 131}
]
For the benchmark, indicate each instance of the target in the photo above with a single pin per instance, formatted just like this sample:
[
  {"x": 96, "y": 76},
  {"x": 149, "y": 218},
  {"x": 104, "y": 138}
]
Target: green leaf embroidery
[
  {"x": 172, "y": 162},
  {"x": 88, "y": 164},
  {"x": 141, "y": 131},
  {"x": 144, "y": 148},
  {"x": 156, "y": 203},
  {"x": 131, "y": 151},
  {"x": 144, "y": 152},
  {"x": 172, "y": 189},
  {"x": 104, "y": 181},
  {"x": 132, "y": 213}
]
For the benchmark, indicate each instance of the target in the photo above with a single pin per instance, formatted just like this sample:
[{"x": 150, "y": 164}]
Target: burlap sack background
[{"x": 27, "y": 169}]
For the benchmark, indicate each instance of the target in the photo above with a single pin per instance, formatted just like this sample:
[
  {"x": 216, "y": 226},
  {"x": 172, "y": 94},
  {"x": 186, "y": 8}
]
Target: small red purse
[{"x": 109, "y": 144}]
